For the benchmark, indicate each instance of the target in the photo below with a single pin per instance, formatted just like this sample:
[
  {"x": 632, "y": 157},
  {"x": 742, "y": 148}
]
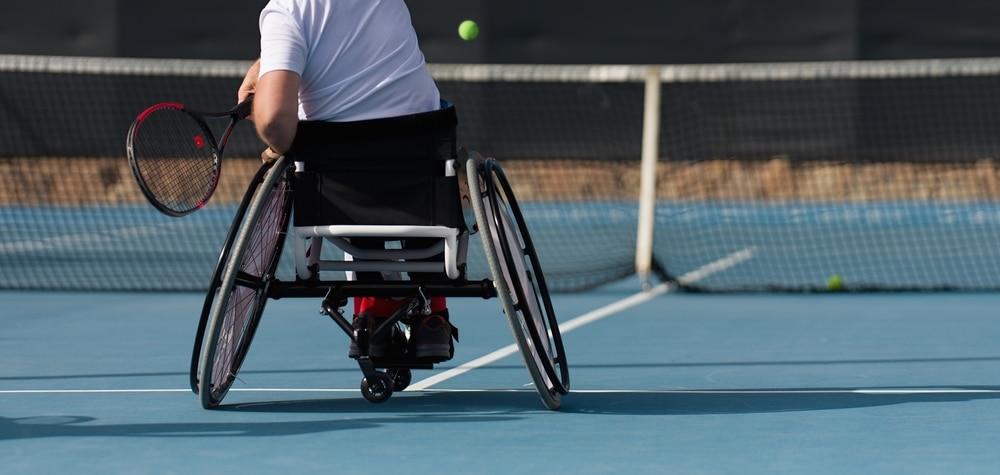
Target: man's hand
[{"x": 269, "y": 155}]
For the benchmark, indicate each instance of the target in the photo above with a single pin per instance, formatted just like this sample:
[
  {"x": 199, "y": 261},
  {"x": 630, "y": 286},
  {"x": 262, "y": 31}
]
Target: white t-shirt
[{"x": 358, "y": 59}]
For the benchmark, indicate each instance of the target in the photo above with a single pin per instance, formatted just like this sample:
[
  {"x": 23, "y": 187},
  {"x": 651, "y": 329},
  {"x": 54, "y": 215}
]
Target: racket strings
[{"x": 177, "y": 158}]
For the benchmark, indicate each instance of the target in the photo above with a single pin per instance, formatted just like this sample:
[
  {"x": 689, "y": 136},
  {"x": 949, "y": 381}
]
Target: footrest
[{"x": 404, "y": 361}]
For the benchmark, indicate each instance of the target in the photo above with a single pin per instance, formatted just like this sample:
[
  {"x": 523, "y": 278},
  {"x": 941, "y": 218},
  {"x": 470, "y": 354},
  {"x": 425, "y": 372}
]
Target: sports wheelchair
[{"x": 245, "y": 278}]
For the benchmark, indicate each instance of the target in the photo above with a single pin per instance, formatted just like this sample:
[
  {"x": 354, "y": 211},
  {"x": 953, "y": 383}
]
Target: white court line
[
  {"x": 874, "y": 392},
  {"x": 871, "y": 391},
  {"x": 593, "y": 316},
  {"x": 148, "y": 391},
  {"x": 717, "y": 266}
]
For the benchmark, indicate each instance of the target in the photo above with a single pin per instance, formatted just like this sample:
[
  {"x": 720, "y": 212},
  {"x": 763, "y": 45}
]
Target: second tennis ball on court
[
  {"x": 468, "y": 30},
  {"x": 835, "y": 283}
]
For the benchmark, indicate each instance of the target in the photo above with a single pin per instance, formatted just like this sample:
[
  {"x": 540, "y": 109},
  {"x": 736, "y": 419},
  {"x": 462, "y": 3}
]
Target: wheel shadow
[
  {"x": 464, "y": 407},
  {"x": 756, "y": 401},
  {"x": 668, "y": 402}
]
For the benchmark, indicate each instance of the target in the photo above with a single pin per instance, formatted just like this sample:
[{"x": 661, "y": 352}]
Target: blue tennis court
[
  {"x": 886, "y": 182},
  {"x": 662, "y": 382}
]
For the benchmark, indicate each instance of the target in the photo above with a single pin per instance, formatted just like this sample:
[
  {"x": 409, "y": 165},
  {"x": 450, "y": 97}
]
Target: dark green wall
[{"x": 550, "y": 31}]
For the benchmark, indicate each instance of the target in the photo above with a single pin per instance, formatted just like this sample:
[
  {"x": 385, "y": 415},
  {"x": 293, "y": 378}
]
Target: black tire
[
  {"x": 377, "y": 391},
  {"x": 519, "y": 280},
  {"x": 401, "y": 378},
  {"x": 242, "y": 291},
  {"x": 220, "y": 267}
]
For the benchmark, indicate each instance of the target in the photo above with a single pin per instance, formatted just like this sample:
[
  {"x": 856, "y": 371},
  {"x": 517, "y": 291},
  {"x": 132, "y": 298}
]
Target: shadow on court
[
  {"x": 636, "y": 403},
  {"x": 763, "y": 400},
  {"x": 488, "y": 407},
  {"x": 84, "y": 426}
]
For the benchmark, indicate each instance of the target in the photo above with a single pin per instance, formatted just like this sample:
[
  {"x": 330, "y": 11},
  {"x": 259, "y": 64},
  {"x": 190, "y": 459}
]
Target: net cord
[{"x": 874, "y": 69}]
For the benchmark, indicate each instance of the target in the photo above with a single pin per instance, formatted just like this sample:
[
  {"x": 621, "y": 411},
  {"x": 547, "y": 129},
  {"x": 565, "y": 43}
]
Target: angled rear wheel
[
  {"x": 242, "y": 291},
  {"x": 220, "y": 268},
  {"x": 519, "y": 280}
]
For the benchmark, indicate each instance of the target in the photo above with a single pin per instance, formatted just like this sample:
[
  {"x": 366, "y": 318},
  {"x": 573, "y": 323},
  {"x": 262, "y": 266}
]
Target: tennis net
[{"x": 726, "y": 177}]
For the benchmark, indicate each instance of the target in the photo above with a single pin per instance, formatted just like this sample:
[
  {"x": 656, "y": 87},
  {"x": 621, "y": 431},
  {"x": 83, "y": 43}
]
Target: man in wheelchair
[
  {"x": 341, "y": 91},
  {"x": 341, "y": 88}
]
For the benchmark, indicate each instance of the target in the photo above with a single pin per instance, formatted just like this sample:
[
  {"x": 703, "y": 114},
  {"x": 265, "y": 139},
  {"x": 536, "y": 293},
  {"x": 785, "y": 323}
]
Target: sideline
[{"x": 866, "y": 391}]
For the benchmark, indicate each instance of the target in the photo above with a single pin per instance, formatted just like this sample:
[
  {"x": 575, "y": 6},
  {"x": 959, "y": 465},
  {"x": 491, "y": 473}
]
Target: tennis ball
[
  {"x": 835, "y": 283},
  {"x": 468, "y": 30}
]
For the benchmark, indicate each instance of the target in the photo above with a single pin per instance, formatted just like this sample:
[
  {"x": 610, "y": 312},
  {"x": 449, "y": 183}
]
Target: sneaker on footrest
[
  {"x": 432, "y": 338},
  {"x": 376, "y": 347}
]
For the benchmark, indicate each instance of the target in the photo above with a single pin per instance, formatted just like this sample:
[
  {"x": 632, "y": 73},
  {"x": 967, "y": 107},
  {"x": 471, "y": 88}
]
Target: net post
[{"x": 647, "y": 184}]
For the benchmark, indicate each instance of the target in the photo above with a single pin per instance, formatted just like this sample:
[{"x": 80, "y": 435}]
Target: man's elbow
[{"x": 277, "y": 132}]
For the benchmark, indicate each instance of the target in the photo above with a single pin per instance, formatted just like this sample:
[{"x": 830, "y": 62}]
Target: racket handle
[{"x": 244, "y": 108}]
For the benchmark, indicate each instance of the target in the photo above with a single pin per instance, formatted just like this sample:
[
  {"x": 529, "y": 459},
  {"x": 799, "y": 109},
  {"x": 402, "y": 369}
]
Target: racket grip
[{"x": 243, "y": 109}]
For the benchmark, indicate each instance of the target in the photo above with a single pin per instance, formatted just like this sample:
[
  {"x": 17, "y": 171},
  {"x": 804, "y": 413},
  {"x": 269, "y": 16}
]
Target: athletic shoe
[{"x": 432, "y": 338}]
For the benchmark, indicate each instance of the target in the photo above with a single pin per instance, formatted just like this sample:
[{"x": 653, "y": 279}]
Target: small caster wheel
[
  {"x": 379, "y": 390},
  {"x": 401, "y": 378}
]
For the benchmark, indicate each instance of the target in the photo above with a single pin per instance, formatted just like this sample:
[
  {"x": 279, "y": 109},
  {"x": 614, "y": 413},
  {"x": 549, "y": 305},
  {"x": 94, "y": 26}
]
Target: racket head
[{"x": 174, "y": 158}]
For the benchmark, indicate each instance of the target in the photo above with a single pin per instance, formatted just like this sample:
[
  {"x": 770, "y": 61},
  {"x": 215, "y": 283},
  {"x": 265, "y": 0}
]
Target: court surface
[{"x": 662, "y": 382}]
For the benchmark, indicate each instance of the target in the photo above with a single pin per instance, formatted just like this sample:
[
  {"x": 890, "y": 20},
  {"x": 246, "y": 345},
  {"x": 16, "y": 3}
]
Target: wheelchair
[{"x": 245, "y": 278}]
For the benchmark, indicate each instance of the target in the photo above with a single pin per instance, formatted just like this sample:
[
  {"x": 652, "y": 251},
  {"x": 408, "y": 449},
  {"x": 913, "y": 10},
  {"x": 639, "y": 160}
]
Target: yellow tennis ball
[
  {"x": 468, "y": 30},
  {"x": 835, "y": 283}
]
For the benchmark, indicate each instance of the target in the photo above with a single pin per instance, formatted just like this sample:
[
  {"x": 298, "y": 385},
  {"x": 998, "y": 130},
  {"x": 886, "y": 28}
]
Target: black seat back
[{"x": 378, "y": 172}]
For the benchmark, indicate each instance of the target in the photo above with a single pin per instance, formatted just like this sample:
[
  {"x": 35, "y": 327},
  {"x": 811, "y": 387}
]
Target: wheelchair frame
[{"x": 244, "y": 278}]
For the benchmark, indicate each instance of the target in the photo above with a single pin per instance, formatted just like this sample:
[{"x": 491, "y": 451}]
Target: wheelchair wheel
[
  {"x": 220, "y": 267},
  {"x": 519, "y": 280},
  {"x": 242, "y": 291}
]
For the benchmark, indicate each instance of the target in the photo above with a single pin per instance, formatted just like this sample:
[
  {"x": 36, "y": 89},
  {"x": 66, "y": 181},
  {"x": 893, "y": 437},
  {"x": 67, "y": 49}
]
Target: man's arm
[{"x": 276, "y": 108}]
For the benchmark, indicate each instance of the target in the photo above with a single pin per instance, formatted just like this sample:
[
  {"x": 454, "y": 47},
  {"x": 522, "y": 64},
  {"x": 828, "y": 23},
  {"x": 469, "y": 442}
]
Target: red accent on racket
[{"x": 176, "y": 159}]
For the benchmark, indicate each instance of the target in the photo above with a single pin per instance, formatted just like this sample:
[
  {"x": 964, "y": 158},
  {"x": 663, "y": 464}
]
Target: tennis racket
[{"x": 175, "y": 157}]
